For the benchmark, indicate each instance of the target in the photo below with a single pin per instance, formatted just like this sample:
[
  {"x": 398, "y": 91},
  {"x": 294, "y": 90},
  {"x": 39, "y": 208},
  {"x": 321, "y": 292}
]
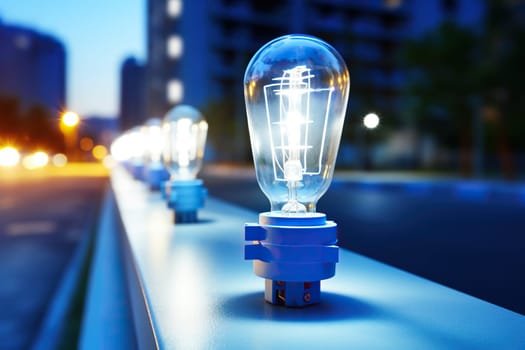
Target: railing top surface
[{"x": 202, "y": 294}]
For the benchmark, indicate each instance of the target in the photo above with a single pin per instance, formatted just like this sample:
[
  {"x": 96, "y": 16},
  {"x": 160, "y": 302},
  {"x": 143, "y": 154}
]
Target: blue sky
[{"x": 97, "y": 34}]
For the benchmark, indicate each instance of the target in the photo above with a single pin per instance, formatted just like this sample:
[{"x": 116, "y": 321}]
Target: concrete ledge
[{"x": 191, "y": 289}]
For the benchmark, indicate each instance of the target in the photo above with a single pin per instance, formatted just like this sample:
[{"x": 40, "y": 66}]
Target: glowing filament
[
  {"x": 185, "y": 143},
  {"x": 289, "y": 133}
]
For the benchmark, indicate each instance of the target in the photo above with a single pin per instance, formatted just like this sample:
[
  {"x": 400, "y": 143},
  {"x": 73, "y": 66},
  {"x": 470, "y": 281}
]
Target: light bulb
[
  {"x": 120, "y": 148},
  {"x": 136, "y": 142},
  {"x": 154, "y": 172},
  {"x": 296, "y": 90},
  {"x": 153, "y": 140},
  {"x": 184, "y": 130}
]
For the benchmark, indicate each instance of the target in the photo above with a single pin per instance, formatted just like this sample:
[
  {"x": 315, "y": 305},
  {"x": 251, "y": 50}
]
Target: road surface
[{"x": 44, "y": 215}]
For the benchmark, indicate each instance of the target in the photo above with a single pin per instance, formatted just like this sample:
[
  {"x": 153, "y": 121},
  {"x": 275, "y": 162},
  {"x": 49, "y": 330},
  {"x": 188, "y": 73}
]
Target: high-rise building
[
  {"x": 198, "y": 50},
  {"x": 32, "y": 68},
  {"x": 132, "y": 94}
]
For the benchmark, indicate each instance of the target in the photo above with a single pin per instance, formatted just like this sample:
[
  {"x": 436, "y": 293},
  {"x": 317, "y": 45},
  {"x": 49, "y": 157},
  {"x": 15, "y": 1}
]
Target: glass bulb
[
  {"x": 120, "y": 147},
  {"x": 296, "y": 91},
  {"x": 136, "y": 143},
  {"x": 153, "y": 140},
  {"x": 185, "y": 133}
]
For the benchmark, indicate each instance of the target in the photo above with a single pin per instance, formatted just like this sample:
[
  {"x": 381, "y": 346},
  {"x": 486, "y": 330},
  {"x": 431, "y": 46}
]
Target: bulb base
[
  {"x": 137, "y": 171},
  {"x": 162, "y": 189},
  {"x": 293, "y": 253},
  {"x": 185, "y": 198},
  {"x": 155, "y": 176},
  {"x": 292, "y": 294}
]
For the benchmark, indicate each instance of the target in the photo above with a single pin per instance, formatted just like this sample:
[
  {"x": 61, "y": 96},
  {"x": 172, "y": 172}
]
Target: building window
[
  {"x": 22, "y": 42},
  {"x": 175, "y": 91},
  {"x": 174, "y": 8},
  {"x": 174, "y": 46}
]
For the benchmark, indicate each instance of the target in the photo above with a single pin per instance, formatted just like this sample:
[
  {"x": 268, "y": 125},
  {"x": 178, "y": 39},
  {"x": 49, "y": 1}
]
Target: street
[
  {"x": 453, "y": 233},
  {"x": 45, "y": 215}
]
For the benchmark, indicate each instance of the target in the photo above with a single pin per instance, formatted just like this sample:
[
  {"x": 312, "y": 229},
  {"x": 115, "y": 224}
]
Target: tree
[
  {"x": 457, "y": 75},
  {"x": 442, "y": 83},
  {"x": 9, "y": 120}
]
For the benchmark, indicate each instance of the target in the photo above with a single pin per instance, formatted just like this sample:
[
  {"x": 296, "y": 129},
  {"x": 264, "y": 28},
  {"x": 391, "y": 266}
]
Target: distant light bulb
[
  {"x": 185, "y": 133},
  {"x": 371, "y": 121},
  {"x": 153, "y": 140},
  {"x": 120, "y": 148},
  {"x": 296, "y": 91},
  {"x": 154, "y": 172},
  {"x": 136, "y": 142}
]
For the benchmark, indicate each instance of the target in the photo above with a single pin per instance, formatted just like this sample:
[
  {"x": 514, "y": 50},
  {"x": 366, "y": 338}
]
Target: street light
[
  {"x": 70, "y": 119},
  {"x": 9, "y": 156},
  {"x": 371, "y": 121},
  {"x": 68, "y": 125},
  {"x": 296, "y": 91}
]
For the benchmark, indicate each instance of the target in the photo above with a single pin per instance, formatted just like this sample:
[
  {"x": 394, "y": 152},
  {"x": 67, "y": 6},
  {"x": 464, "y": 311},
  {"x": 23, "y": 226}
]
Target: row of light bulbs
[
  {"x": 167, "y": 154},
  {"x": 296, "y": 91}
]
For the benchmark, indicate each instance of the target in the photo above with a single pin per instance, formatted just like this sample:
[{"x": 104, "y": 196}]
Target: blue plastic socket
[
  {"x": 155, "y": 176},
  {"x": 185, "y": 197},
  {"x": 293, "y": 253}
]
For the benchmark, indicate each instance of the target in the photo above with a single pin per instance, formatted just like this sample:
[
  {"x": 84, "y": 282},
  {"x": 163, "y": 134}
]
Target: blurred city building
[
  {"x": 32, "y": 68},
  {"x": 197, "y": 50},
  {"x": 132, "y": 93}
]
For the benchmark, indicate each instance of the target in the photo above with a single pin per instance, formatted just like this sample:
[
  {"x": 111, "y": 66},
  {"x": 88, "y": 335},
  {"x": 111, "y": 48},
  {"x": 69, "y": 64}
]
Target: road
[
  {"x": 44, "y": 215},
  {"x": 456, "y": 235}
]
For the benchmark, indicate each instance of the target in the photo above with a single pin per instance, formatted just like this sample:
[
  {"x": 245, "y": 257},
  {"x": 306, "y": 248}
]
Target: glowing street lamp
[
  {"x": 68, "y": 125},
  {"x": 371, "y": 121},
  {"x": 296, "y": 91},
  {"x": 70, "y": 119},
  {"x": 9, "y": 156},
  {"x": 185, "y": 133}
]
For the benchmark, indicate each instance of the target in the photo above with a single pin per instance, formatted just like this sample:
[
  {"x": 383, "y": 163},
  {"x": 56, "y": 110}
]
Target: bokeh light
[
  {"x": 9, "y": 156},
  {"x": 36, "y": 160},
  {"x": 99, "y": 152},
  {"x": 121, "y": 148},
  {"x": 70, "y": 119},
  {"x": 59, "y": 160},
  {"x": 86, "y": 144},
  {"x": 371, "y": 121}
]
